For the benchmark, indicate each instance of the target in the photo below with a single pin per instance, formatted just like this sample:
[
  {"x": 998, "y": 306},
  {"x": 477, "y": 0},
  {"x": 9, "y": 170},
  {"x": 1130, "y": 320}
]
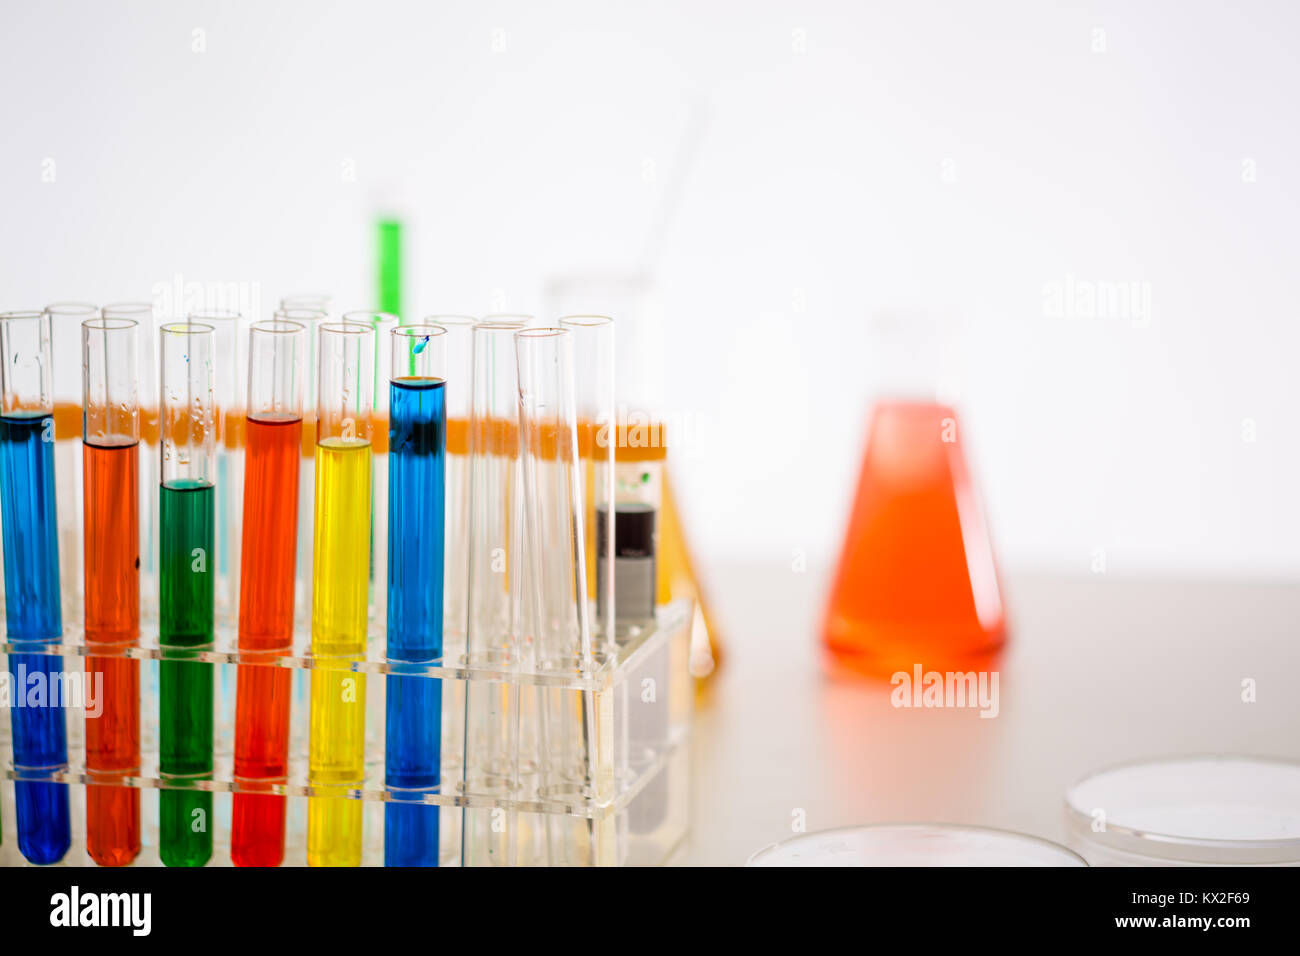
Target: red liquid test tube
[
  {"x": 111, "y": 461},
  {"x": 272, "y": 455}
]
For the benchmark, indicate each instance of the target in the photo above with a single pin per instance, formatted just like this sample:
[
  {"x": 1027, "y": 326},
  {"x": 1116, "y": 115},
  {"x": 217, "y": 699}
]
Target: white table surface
[{"x": 1099, "y": 669}]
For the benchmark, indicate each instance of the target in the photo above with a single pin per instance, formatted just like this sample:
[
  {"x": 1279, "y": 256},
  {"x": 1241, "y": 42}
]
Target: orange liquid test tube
[
  {"x": 273, "y": 435},
  {"x": 111, "y": 462}
]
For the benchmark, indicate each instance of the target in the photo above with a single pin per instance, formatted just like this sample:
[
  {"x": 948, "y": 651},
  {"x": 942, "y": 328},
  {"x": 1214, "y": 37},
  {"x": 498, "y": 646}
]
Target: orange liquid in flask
[{"x": 916, "y": 582}]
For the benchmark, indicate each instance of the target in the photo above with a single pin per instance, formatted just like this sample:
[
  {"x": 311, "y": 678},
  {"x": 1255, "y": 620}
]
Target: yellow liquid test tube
[
  {"x": 341, "y": 572},
  {"x": 340, "y": 591}
]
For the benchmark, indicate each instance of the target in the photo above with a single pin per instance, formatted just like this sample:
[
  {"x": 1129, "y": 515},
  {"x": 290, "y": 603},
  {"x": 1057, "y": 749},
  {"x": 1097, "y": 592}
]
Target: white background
[{"x": 786, "y": 172}]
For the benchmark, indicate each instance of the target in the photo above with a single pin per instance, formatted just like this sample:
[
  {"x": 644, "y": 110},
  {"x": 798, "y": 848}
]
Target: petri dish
[
  {"x": 1212, "y": 810},
  {"x": 915, "y": 844}
]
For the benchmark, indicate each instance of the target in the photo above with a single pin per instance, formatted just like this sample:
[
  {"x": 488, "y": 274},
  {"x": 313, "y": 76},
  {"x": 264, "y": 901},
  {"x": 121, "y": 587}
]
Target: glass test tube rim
[
  {"x": 190, "y": 330},
  {"x": 211, "y": 316},
  {"x": 109, "y": 323},
  {"x": 273, "y": 326},
  {"x": 418, "y": 330},
  {"x": 46, "y": 396},
  {"x": 920, "y": 826},
  {"x": 23, "y": 314},
  {"x": 449, "y": 318},
  {"x": 371, "y": 317},
  {"x": 1152, "y": 840},
  {"x": 352, "y": 329},
  {"x": 301, "y": 315},
  {"x": 415, "y": 331},
  {"x": 586, "y": 320},
  {"x": 104, "y": 324},
  {"x": 504, "y": 320},
  {"x": 128, "y": 308},
  {"x": 542, "y": 332},
  {"x": 278, "y": 327},
  {"x": 346, "y": 327},
  {"x": 71, "y": 308},
  {"x": 185, "y": 326}
]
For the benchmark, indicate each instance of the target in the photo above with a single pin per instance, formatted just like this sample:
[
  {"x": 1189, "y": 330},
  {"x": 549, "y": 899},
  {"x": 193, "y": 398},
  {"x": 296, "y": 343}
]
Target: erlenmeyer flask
[{"x": 917, "y": 583}]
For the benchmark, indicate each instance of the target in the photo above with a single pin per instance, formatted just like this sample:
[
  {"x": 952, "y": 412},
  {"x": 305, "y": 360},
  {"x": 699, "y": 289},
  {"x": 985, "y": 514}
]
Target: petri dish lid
[
  {"x": 1205, "y": 808},
  {"x": 915, "y": 844}
]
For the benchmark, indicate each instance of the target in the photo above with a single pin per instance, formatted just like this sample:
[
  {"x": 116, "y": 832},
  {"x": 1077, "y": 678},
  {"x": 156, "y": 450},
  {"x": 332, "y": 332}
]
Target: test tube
[
  {"x": 311, "y": 315},
  {"x": 382, "y": 323},
  {"x": 417, "y": 417},
  {"x": 458, "y": 356},
  {"x": 555, "y": 529},
  {"x": 492, "y": 728},
  {"x": 311, "y": 318},
  {"x": 555, "y": 585},
  {"x": 593, "y": 371},
  {"x": 65, "y": 340},
  {"x": 149, "y": 475},
  {"x": 341, "y": 565},
  {"x": 458, "y": 363},
  {"x": 187, "y": 530},
  {"x": 311, "y": 301},
  {"x": 110, "y": 442},
  {"x": 597, "y": 414},
  {"x": 229, "y": 341},
  {"x": 273, "y": 430},
  {"x": 33, "y": 616}
]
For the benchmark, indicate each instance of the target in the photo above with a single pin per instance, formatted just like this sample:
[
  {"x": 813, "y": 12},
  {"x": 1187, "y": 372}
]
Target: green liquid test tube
[{"x": 186, "y": 533}]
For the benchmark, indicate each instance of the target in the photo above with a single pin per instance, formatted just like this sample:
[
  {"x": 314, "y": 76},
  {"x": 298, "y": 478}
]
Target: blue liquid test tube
[
  {"x": 417, "y": 432},
  {"x": 31, "y": 573}
]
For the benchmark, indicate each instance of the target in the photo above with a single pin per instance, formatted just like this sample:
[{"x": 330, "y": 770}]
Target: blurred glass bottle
[{"x": 917, "y": 582}]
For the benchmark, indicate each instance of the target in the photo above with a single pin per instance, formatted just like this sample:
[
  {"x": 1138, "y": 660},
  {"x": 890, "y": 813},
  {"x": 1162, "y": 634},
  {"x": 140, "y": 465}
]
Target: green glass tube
[
  {"x": 186, "y": 531},
  {"x": 388, "y": 274}
]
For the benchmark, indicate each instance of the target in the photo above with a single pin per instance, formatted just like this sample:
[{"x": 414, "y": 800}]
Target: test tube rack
[{"x": 634, "y": 811}]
